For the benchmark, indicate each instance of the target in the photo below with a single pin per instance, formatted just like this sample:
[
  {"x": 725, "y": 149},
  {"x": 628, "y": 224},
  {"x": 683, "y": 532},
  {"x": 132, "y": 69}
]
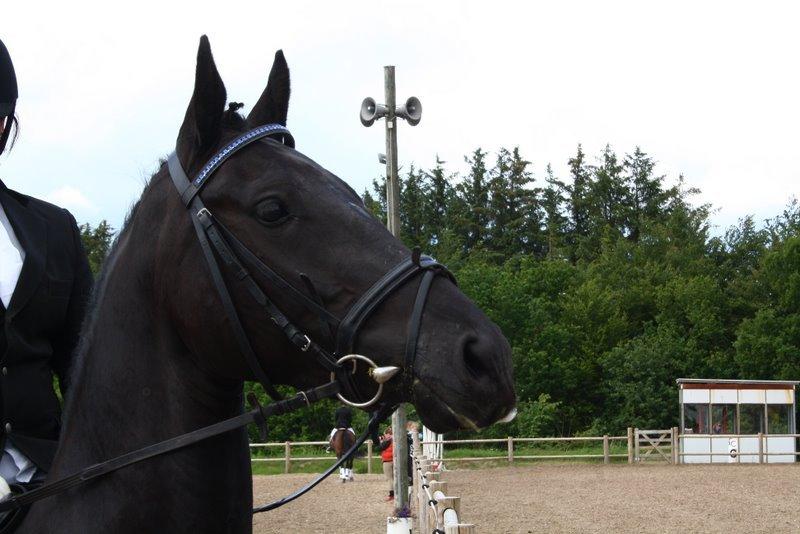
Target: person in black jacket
[
  {"x": 343, "y": 418},
  {"x": 44, "y": 286}
]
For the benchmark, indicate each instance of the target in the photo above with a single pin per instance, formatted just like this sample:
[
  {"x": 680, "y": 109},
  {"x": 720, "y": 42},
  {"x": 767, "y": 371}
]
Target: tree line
[{"x": 608, "y": 282}]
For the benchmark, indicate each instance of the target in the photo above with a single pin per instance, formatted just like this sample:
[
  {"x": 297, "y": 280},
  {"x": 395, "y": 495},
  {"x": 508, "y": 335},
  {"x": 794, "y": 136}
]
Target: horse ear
[
  {"x": 202, "y": 125},
  {"x": 273, "y": 106}
]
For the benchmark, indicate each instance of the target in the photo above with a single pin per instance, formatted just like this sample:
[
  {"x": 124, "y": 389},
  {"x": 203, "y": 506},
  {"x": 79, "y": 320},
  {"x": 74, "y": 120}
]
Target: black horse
[{"x": 158, "y": 357}]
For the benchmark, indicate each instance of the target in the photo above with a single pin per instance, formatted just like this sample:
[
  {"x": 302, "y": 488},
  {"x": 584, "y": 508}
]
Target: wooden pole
[
  {"x": 760, "y": 448},
  {"x": 630, "y": 445},
  {"x": 446, "y": 503},
  {"x": 635, "y": 444},
  {"x": 437, "y": 485},
  {"x": 461, "y": 528},
  {"x": 422, "y": 497},
  {"x": 676, "y": 445},
  {"x": 510, "y": 450},
  {"x": 369, "y": 456},
  {"x": 287, "y": 456},
  {"x": 392, "y": 183},
  {"x": 606, "y": 450},
  {"x": 400, "y": 445}
]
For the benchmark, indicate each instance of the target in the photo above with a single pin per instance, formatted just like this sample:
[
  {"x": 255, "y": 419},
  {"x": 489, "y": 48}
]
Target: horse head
[{"x": 308, "y": 225}]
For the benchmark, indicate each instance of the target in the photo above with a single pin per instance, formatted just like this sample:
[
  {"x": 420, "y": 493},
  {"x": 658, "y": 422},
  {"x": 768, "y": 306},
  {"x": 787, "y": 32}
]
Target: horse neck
[
  {"x": 134, "y": 379},
  {"x": 134, "y": 384}
]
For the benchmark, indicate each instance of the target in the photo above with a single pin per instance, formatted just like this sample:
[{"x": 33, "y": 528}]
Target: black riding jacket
[{"x": 41, "y": 325}]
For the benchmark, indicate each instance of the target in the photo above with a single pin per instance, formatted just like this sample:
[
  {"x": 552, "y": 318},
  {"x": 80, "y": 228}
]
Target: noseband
[{"x": 217, "y": 242}]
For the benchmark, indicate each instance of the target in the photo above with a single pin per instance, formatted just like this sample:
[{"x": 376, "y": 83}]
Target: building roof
[{"x": 731, "y": 381}]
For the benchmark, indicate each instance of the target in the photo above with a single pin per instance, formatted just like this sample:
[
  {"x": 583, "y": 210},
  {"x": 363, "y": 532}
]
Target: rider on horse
[{"x": 343, "y": 420}]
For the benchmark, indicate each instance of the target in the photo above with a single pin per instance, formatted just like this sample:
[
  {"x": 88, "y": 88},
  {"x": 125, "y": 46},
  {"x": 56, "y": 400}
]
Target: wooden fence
[
  {"x": 640, "y": 445},
  {"x": 287, "y": 457},
  {"x": 437, "y": 510}
]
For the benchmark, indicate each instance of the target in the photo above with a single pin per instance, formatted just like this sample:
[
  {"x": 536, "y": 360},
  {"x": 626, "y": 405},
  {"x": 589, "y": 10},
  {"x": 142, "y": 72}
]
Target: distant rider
[{"x": 343, "y": 420}]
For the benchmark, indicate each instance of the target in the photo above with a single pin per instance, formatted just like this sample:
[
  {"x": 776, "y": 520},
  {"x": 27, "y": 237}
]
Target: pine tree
[
  {"x": 554, "y": 198},
  {"x": 579, "y": 202},
  {"x": 472, "y": 219},
  {"x": 413, "y": 210},
  {"x": 439, "y": 215}
]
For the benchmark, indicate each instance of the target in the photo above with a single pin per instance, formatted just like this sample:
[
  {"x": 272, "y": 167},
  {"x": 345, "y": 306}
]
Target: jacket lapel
[{"x": 31, "y": 232}]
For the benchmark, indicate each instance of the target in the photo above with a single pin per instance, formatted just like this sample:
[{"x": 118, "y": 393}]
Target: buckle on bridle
[
  {"x": 307, "y": 346},
  {"x": 379, "y": 374}
]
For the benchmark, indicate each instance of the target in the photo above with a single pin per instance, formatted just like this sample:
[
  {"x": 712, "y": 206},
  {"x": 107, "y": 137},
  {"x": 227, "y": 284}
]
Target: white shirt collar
[{"x": 12, "y": 255}]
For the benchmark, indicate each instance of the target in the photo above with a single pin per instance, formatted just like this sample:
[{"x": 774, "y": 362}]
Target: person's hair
[
  {"x": 11, "y": 122},
  {"x": 388, "y": 430}
]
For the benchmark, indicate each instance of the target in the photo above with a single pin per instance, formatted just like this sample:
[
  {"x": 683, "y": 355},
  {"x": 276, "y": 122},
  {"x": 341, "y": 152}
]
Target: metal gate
[{"x": 654, "y": 446}]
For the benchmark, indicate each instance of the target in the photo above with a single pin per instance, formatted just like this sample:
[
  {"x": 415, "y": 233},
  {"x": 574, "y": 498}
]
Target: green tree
[{"x": 97, "y": 242}]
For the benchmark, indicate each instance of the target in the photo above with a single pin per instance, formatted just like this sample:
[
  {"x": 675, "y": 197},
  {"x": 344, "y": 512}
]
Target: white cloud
[{"x": 70, "y": 198}]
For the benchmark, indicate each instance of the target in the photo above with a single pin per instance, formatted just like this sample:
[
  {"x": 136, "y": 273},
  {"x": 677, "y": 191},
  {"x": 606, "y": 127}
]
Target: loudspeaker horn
[
  {"x": 411, "y": 111},
  {"x": 370, "y": 111}
]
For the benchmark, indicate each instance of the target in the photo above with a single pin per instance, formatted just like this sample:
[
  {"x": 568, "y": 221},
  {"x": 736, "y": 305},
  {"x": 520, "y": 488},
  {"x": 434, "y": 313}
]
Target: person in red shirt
[{"x": 386, "y": 447}]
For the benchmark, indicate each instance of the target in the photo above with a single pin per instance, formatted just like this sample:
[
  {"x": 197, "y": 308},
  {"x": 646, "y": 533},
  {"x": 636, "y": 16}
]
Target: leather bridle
[{"x": 219, "y": 244}]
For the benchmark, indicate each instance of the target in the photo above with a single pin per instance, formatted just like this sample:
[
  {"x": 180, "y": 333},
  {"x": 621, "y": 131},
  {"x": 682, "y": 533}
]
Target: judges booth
[{"x": 737, "y": 421}]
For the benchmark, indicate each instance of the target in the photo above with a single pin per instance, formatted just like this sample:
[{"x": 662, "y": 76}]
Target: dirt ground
[{"x": 562, "y": 498}]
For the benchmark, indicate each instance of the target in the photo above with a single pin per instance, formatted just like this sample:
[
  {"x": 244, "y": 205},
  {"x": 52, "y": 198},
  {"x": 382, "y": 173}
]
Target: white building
[{"x": 724, "y": 420}]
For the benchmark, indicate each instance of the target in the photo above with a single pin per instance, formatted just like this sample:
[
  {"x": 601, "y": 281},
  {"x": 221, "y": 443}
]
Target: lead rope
[{"x": 257, "y": 415}]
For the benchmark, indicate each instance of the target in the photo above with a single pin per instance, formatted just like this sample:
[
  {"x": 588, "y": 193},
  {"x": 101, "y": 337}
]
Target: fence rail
[
  {"x": 510, "y": 453},
  {"x": 641, "y": 446},
  {"x": 437, "y": 512}
]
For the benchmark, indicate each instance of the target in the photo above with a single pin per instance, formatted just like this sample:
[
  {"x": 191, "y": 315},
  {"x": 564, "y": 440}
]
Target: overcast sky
[{"x": 710, "y": 89}]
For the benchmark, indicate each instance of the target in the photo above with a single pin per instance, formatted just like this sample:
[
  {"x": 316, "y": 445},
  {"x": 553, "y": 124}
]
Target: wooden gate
[{"x": 655, "y": 445}]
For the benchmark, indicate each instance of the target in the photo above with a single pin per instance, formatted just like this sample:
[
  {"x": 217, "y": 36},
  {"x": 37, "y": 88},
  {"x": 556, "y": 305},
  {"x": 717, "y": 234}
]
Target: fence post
[
  {"x": 422, "y": 498},
  {"x": 676, "y": 445},
  {"x": 606, "y": 450},
  {"x": 287, "y": 456},
  {"x": 761, "y": 447},
  {"x": 510, "y": 450},
  {"x": 443, "y": 504},
  {"x": 461, "y": 528},
  {"x": 635, "y": 444},
  {"x": 369, "y": 456},
  {"x": 630, "y": 445},
  {"x": 437, "y": 485}
]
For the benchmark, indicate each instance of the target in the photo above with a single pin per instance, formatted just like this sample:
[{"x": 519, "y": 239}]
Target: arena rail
[
  {"x": 287, "y": 457},
  {"x": 510, "y": 453},
  {"x": 437, "y": 512}
]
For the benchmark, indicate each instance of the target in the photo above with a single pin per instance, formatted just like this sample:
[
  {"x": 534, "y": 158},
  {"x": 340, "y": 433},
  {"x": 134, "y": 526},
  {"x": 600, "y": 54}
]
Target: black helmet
[
  {"x": 8, "y": 83},
  {"x": 8, "y": 92}
]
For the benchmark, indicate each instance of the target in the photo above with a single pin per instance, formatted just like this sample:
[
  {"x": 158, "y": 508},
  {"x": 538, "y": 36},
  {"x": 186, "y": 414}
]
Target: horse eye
[{"x": 271, "y": 210}]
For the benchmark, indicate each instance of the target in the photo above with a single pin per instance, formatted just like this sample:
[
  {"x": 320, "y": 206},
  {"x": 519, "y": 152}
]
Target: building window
[
  {"x": 723, "y": 419},
  {"x": 751, "y": 418},
  {"x": 695, "y": 418},
  {"x": 778, "y": 418}
]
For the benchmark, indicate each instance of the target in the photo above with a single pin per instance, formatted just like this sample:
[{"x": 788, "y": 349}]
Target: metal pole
[
  {"x": 392, "y": 184},
  {"x": 400, "y": 456}
]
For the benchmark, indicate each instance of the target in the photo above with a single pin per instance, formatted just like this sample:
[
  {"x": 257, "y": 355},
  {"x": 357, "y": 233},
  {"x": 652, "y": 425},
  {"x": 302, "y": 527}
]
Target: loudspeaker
[
  {"x": 370, "y": 111},
  {"x": 411, "y": 111}
]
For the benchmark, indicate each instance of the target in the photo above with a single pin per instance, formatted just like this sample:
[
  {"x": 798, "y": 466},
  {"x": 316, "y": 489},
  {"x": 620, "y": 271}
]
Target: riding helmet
[{"x": 8, "y": 91}]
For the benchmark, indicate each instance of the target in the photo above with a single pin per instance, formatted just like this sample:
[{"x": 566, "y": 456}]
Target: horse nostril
[{"x": 475, "y": 364}]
